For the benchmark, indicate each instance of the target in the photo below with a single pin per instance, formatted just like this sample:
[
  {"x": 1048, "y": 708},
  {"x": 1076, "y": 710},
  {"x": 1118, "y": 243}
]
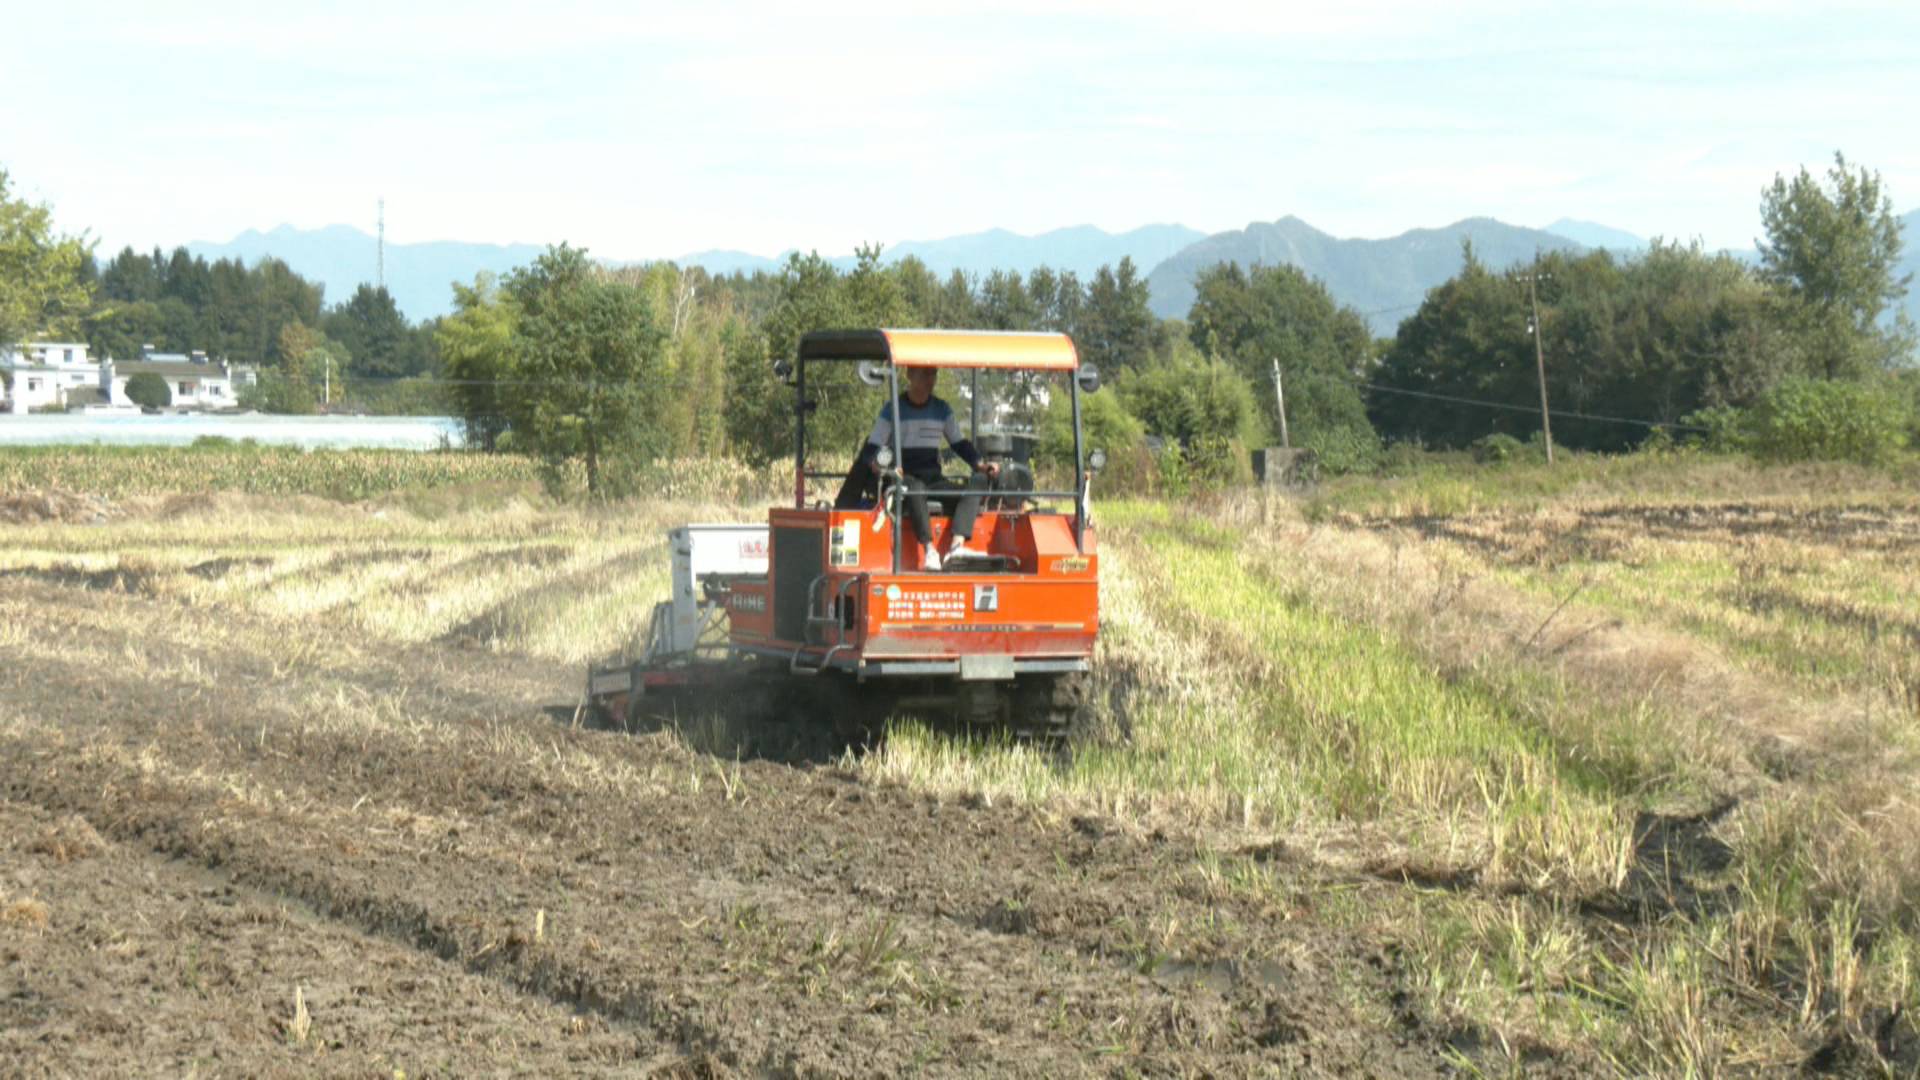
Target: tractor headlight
[{"x": 1096, "y": 461}]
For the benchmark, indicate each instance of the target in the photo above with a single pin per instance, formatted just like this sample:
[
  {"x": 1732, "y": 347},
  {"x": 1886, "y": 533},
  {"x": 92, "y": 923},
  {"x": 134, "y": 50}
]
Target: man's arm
[
  {"x": 879, "y": 437},
  {"x": 963, "y": 447}
]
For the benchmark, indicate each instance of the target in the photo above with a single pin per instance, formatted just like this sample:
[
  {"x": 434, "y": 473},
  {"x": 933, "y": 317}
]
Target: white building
[
  {"x": 44, "y": 373},
  {"x": 193, "y": 380},
  {"x": 57, "y": 375}
]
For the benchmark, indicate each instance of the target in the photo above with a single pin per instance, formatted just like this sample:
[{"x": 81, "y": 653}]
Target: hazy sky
[{"x": 764, "y": 127}]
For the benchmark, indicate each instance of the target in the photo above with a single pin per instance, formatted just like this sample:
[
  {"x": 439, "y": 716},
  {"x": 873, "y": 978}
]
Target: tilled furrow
[
  {"x": 755, "y": 917},
  {"x": 137, "y": 964},
  {"x": 740, "y": 977}
]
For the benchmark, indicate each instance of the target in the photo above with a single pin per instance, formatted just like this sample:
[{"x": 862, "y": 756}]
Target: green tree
[
  {"x": 955, "y": 307},
  {"x": 374, "y": 332},
  {"x": 1827, "y": 420},
  {"x": 149, "y": 390},
  {"x": 278, "y": 392},
  {"x": 1467, "y": 341},
  {"x": 1253, "y": 318},
  {"x": 1005, "y": 303},
  {"x": 589, "y": 358},
  {"x": 813, "y": 296},
  {"x": 1650, "y": 340},
  {"x": 1832, "y": 250},
  {"x": 1190, "y": 397},
  {"x": 1115, "y": 329},
  {"x": 42, "y": 287},
  {"x": 1105, "y": 424},
  {"x": 310, "y": 359},
  {"x": 180, "y": 302},
  {"x": 477, "y": 358}
]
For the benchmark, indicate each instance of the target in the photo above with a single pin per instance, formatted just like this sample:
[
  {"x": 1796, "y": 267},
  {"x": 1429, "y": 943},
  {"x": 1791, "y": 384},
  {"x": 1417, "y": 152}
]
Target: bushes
[
  {"x": 148, "y": 390},
  {"x": 278, "y": 392},
  {"x": 1105, "y": 424},
  {"x": 1816, "y": 420}
]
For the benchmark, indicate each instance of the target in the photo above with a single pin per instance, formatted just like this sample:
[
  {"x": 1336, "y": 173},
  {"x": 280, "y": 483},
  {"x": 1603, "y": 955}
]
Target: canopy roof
[{"x": 944, "y": 348}]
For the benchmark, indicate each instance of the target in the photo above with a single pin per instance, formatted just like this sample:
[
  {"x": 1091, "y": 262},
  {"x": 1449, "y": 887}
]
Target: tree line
[
  {"x": 1675, "y": 342},
  {"x": 566, "y": 358}
]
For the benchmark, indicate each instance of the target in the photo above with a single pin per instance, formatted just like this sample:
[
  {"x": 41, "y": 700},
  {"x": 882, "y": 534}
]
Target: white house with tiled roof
[
  {"x": 59, "y": 374},
  {"x": 43, "y": 373},
  {"x": 193, "y": 380}
]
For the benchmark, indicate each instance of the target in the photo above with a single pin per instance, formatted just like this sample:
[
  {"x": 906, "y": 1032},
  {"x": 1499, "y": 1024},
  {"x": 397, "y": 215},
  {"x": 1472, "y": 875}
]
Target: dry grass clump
[
  {"x": 25, "y": 914},
  {"x": 70, "y": 839}
]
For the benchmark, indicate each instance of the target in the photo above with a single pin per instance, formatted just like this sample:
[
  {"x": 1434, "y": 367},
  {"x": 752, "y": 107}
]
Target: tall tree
[
  {"x": 42, "y": 290},
  {"x": 1467, "y": 340},
  {"x": 373, "y": 330},
  {"x": 1005, "y": 303},
  {"x": 1832, "y": 249},
  {"x": 1250, "y": 319},
  {"x": 476, "y": 349},
  {"x": 1116, "y": 330},
  {"x": 955, "y": 307},
  {"x": 1192, "y": 398},
  {"x": 589, "y": 360}
]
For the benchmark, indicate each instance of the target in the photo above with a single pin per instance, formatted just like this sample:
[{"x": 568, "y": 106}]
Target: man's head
[{"x": 920, "y": 382}]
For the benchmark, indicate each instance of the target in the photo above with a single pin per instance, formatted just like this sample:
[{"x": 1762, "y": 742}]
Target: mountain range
[
  {"x": 1384, "y": 279},
  {"x": 341, "y": 257},
  {"x": 1082, "y": 249}
]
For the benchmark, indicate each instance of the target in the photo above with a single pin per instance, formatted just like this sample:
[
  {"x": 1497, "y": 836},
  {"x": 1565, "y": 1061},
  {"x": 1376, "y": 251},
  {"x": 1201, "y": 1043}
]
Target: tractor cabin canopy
[
  {"x": 945, "y": 349},
  {"x": 883, "y": 352}
]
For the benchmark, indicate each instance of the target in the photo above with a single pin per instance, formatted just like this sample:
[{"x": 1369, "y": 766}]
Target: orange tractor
[{"x": 839, "y": 605}]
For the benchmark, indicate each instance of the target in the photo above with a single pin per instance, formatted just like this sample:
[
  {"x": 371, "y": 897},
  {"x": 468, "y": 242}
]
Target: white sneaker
[{"x": 929, "y": 558}]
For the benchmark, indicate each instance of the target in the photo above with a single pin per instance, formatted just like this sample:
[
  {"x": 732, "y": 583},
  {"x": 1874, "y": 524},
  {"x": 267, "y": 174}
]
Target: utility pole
[
  {"x": 327, "y": 381},
  {"x": 1540, "y": 356},
  {"x": 1280, "y": 399}
]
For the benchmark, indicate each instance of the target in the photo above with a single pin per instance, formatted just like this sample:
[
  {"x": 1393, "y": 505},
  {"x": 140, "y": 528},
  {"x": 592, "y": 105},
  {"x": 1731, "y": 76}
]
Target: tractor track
[{"x": 651, "y": 906}]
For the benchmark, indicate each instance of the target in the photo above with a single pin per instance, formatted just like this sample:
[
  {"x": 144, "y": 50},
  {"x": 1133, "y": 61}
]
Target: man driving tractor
[{"x": 927, "y": 421}]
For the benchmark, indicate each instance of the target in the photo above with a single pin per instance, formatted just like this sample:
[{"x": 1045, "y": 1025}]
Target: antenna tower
[{"x": 380, "y": 248}]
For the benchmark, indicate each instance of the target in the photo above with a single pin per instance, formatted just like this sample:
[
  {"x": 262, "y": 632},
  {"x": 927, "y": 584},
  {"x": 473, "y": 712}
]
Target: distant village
[{"x": 59, "y": 376}]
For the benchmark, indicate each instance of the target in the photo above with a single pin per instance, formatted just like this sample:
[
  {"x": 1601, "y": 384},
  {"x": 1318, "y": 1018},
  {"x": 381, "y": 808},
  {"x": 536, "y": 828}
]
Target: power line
[
  {"x": 1533, "y": 410},
  {"x": 1454, "y": 399},
  {"x": 1675, "y": 425}
]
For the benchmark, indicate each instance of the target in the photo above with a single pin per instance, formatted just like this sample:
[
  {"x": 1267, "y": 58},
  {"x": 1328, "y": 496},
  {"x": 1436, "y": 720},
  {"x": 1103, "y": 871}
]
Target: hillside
[
  {"x": 420, "y": 275},
  {"x": 1082, "y": 249},
  {"x": 1382, "y": 278},
  {"x": 341, "y": 257},
  {"x": 1594, "y": 235}
]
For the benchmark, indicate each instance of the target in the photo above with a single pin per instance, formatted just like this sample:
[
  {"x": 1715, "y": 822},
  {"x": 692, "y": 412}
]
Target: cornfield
[{"x": 121, "y": 472}]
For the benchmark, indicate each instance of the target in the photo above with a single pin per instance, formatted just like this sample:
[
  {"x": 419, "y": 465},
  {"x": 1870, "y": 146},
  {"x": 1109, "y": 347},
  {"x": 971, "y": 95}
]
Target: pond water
[{"x": 310, "y": 432}]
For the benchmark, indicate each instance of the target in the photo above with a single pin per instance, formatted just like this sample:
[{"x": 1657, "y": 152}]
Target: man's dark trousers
[{"x": 963, "y": 514}]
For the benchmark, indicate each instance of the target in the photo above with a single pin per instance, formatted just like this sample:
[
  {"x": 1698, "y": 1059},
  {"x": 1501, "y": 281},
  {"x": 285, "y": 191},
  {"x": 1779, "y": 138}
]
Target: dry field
[{"x": 1585, "y": 783}]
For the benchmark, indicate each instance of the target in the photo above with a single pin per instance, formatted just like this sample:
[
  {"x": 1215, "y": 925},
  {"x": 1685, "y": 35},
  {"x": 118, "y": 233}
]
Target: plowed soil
[{"x": 205, "y": 814}]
